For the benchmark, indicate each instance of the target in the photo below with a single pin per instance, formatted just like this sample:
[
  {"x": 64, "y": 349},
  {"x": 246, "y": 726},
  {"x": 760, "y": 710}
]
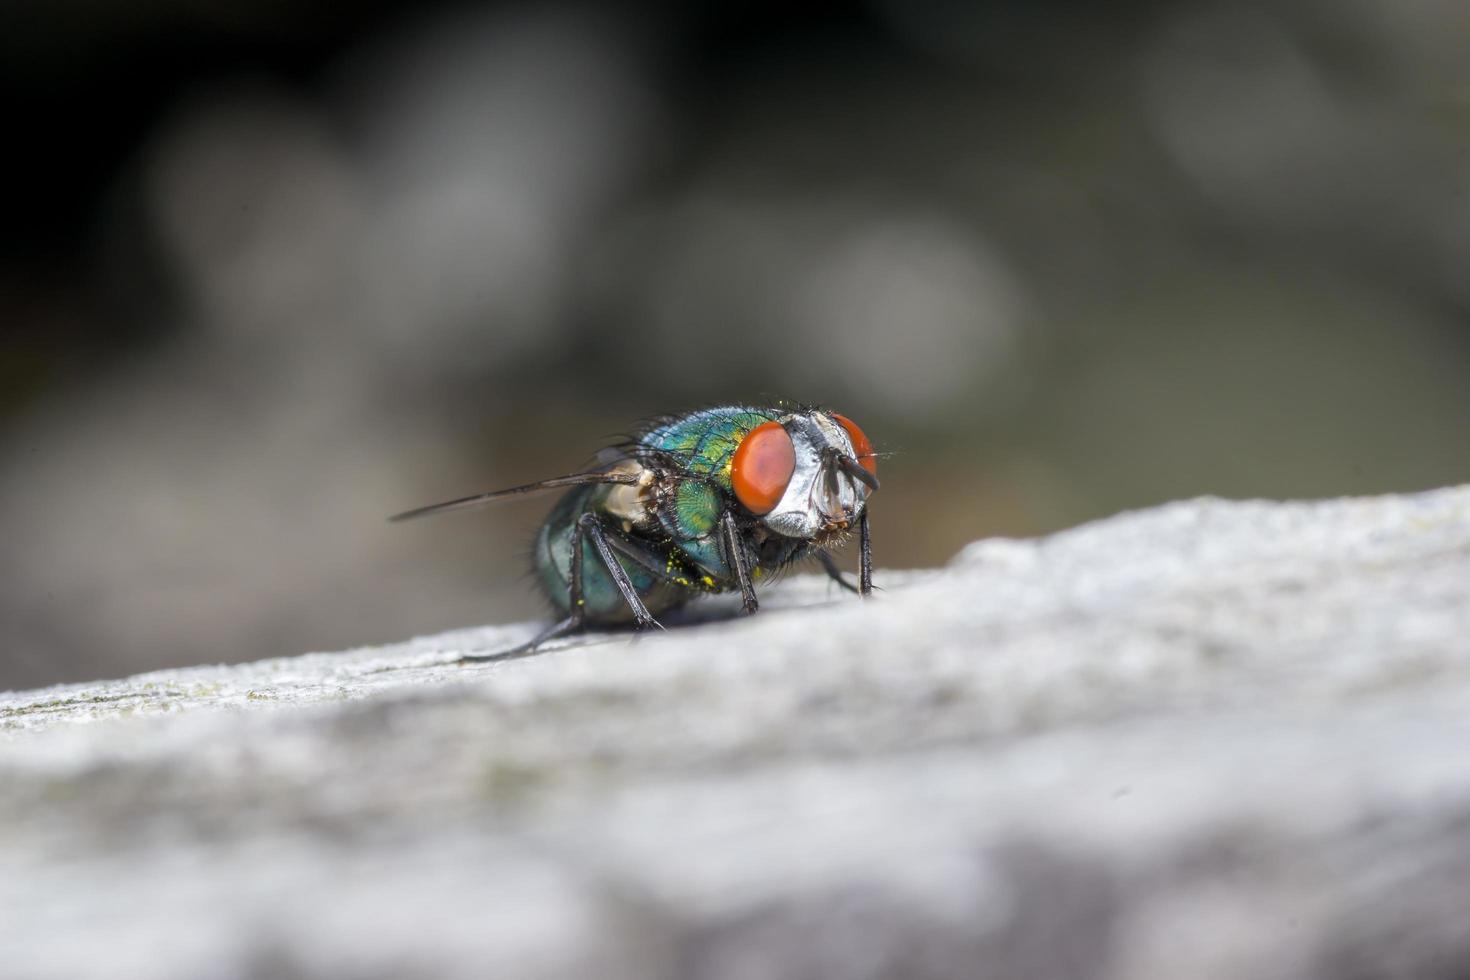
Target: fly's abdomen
[{"x": 603, "y": 603}]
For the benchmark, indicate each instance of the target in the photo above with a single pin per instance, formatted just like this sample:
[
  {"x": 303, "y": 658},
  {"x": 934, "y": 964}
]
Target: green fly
[{"x": 706, "y": 502}]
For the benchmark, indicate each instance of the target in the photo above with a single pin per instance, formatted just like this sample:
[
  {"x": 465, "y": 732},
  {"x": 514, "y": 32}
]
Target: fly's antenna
[
  {"x": 853, "y": 469},
  {"x": 829, "y": 472}
]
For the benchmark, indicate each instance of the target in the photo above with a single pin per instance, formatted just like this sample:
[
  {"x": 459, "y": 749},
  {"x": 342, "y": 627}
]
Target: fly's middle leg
[{"x": 735, "y": 557}]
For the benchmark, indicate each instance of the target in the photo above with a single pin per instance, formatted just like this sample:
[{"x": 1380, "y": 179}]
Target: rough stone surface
[{"x": 1210, "y": 740}]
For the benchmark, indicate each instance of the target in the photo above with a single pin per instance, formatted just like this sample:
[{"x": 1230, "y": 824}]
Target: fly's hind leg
[
  {"x": 569, "y": 625},
  {"x": 591, "y": 525},
  {"x": 588, "y": 526},
  {"x": 576, "y": 616}
]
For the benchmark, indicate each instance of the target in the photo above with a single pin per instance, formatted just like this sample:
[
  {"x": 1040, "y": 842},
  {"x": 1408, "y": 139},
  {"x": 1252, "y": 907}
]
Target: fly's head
[{"x": 806, "y": 476}]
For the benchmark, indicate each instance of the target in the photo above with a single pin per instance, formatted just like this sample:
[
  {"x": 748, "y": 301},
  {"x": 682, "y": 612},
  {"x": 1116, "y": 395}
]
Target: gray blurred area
[{"x": 1057, "y": 260}]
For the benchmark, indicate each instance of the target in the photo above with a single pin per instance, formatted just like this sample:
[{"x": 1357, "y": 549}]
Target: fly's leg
[
  {"x": 591, "y": 525},
  {"x": 569, "y": 625},
  {"x": 735, "y": 557},
  {"x": 586, "y": 526},
  {"x": 864, "y": 587},
  {"x": 639, "y": 555},
  {"x": 829, "y": 565},
  {"x": 574, "y": 621}
]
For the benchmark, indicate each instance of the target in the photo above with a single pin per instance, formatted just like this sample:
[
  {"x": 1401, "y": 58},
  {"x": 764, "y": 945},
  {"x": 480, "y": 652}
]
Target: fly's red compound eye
[
  {"x": 861, "y": 447},
  {"x": 762, "y": 467}
]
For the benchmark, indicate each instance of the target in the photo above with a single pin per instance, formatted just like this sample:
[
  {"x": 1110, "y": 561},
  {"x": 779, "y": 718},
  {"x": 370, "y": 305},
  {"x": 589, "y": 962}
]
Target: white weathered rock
[{"x": 1211, "y": 740}]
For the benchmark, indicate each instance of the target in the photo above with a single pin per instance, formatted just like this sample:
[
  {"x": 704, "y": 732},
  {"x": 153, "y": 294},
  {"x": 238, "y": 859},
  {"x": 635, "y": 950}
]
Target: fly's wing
[
  {"x": 610, "y": 456},
  {"x": 555, "y": 483}
]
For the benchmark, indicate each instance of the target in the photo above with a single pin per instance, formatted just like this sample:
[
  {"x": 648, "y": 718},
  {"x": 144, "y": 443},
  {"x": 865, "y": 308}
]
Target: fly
[{"x": 698, "y": 503}]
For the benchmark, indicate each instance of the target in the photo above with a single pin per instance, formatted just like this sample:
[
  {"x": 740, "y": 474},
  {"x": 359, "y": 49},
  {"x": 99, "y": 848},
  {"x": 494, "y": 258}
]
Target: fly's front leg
[
  {"x": 865, "y": 550},
  {"x": 590, "y": 524},
  {"x": 735, "y": 558},
  {"x": 829, "y": 565}
]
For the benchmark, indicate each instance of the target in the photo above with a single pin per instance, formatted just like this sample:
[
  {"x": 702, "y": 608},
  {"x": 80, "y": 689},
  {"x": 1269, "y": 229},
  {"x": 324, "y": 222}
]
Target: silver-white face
[{"x": 818, "y": 498}]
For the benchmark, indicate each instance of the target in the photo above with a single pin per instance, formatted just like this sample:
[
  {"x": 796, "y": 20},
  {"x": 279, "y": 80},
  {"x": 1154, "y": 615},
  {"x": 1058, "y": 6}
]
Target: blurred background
[{"x": 270, "y": 272}]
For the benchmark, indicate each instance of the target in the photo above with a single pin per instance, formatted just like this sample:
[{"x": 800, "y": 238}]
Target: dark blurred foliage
[{"x": 271, "y": 271}]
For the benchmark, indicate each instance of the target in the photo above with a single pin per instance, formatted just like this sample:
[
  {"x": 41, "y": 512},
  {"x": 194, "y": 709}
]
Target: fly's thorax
[{"x": 702, "y": 442}]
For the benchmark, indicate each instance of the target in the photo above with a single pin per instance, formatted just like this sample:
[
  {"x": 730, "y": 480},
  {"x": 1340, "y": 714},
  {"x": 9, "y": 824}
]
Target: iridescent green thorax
[
  {"x": 697, "y": 508},
  {"x": 707, "y": 439}
]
